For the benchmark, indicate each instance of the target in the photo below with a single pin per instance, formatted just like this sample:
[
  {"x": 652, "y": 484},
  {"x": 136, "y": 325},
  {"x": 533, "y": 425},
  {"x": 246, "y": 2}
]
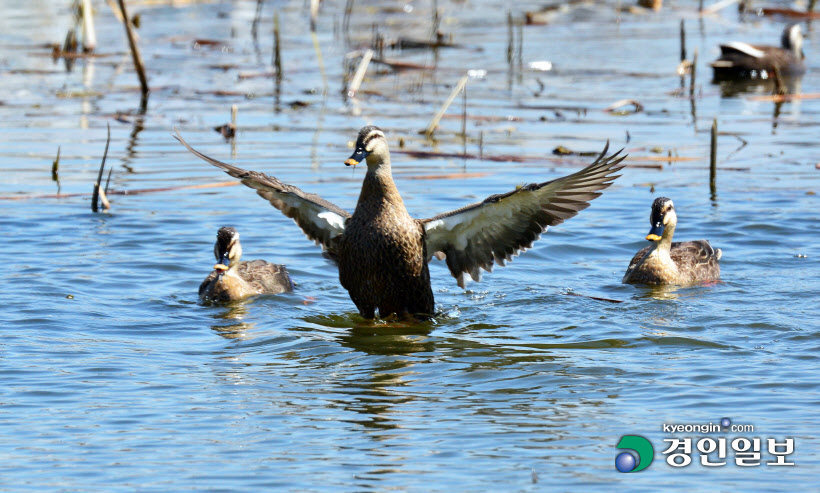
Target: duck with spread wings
[{"x": 382, "y": 252}]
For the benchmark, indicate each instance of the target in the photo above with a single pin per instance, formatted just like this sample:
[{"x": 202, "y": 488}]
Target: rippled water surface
[{"x": 115, "y": 378}]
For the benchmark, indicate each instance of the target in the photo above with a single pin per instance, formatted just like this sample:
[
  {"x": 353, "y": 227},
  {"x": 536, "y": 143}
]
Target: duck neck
[
  {"x": 664, "y": 245},
  {"x": 378, "y": 183},
  {"x": 233, "y": 267}
]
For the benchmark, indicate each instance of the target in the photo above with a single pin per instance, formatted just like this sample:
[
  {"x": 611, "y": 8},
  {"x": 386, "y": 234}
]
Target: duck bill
[
  {"x": 358, "y": 156},
  {"x": 656, "y": 232},
  {"x": 222, "y": 265}
]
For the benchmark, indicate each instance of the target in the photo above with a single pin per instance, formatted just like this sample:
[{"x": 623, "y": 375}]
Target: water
[{"x": 116, "y": 379}]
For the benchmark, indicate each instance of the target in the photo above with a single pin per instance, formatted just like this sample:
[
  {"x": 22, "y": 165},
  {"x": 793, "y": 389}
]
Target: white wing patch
[
  {"x": 334, "y": 220},
  {"x": 745, "y": 48}
]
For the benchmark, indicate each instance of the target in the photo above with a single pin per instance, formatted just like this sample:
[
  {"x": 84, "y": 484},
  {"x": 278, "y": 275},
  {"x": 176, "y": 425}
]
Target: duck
[
  {"x": 234, "y": 280},
  {"x": 664, "y": 262},
  {"x": 745, "y": 61},
  {"x": 382, "y": 253}
]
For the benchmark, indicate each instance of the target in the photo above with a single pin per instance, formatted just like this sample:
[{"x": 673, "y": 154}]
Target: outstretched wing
[
  {"x": 320, "y": 220},
  {"x": 502, "y": 226}
]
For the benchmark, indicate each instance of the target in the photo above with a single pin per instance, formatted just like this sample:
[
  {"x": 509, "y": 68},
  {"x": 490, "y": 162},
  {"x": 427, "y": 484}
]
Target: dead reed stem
[
  {"x": 693, "y": 74},
  {"x": 97, "y": 191},
  {"x": 713, "y": 159},
  {"x": 358, "y": 77},
  {"x": 277, "y": 55},
  {"x": 434, "y": 122},
  {"x": 135, "y": 51},
  {"x": 89, "y": 33}
]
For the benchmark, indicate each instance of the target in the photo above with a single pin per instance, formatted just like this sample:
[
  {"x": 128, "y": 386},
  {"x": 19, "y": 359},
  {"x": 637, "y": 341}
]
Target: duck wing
[
  {"x": 635, "y": 262},
  {"x": 697, "y": 257},
  {"x": 266, "y": 277},
  {"x": 502, "y": 226},
  {"x": 740, "y": 48},
  {"x": 319, "y": 219}
]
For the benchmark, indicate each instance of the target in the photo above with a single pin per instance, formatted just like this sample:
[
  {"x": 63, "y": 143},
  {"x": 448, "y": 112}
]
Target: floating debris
[
  {"x": 655, "y": 5},
  {"x": 540, "y": 66},
  {"x": 228, "y": 130},
  {"x": 399, "y": 65},
  {"x": 78, "y": 94},
  {"x": 636, "y": 107},
  {"x": 213, "y": 44},
  {"x": 597, "y": 298},
  {"x": 565, "y": 151},
  {"x": 789, "y": 13},
  {"x": 448, "y": 176},
  {"x": 548, "y": 13},
  {"x": 442, "y": 41}
]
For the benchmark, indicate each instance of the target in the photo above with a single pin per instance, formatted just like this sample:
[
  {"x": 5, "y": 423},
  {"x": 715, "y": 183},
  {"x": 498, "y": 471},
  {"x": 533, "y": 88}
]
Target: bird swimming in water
[
  {"x": 745, "y": 61},
  {"x": 383, "y": 253},
  {"x": 664, "y": 262},
  {"x": 233, "y": 280}
]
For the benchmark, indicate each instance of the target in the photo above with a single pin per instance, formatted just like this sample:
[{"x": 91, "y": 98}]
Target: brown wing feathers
[
  {"x": 502, "y": 226},
  {"x": 320, "y": 220}
]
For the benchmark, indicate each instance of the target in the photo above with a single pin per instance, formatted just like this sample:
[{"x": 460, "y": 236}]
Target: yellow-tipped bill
[
  {"x": 358, "y": 156},
  {"x": 655, "y": 232},
  {"x": 220, "y": 267}
]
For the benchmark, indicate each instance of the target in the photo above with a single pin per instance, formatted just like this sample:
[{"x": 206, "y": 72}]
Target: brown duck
[
  {"x": 746, "y": 61},
  {"x": 232, "y": 280},
  {"x": 382, "y": 252},
  {"x": 664, "y": 262}
]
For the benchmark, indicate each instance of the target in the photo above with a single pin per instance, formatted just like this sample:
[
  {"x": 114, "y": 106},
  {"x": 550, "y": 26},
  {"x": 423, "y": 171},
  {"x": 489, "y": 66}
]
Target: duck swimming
[
  {"x": 232, "y": 280},
  {"x": 382, "y": 252},
  {"x": 664, "y": 262},
  {"x": 746, "y": 61}
]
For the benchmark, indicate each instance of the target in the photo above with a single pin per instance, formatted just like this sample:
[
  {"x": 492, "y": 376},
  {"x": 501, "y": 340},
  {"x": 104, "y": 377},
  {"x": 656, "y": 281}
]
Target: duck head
[
  {"x": 371, "y": 145},
  {"x": 227, "y": 249},
  {"x": 792, "y": 40},
  {"x": 662, "y": 218}
]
